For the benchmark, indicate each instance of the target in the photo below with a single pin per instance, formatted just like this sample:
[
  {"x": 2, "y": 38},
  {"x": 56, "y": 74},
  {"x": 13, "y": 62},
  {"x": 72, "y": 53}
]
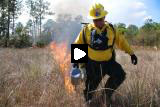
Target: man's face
[{"x": 99, "y": 22}]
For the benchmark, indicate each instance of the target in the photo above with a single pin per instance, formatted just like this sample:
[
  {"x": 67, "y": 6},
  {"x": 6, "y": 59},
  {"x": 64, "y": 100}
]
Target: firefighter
[{"x": 102, "y": 38}]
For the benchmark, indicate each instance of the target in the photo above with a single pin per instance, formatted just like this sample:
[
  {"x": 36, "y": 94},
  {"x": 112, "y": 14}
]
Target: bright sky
[{"x": 125, "y": 11}]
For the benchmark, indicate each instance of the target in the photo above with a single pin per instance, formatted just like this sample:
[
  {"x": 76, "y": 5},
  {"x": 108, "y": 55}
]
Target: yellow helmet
[{"x": 97, "y": 11}]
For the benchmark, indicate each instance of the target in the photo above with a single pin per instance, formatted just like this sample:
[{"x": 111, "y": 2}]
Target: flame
[{"x": 62, "y": 56}]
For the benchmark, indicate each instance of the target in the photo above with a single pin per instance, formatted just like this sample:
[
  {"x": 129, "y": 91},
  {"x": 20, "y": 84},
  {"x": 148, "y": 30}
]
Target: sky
[{"x": 125, "y": 11}]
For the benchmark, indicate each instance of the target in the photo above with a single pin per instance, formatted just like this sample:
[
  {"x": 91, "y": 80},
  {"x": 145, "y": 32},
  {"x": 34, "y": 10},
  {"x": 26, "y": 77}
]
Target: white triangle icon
[{"x": 78, "y": 54}]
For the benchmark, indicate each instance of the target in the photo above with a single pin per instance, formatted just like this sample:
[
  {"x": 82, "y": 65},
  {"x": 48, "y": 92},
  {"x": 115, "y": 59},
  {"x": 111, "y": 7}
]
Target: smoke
[
  {"x": 73, "y": 7},
  {"x": 67, "y": 27},
  {"x": 125, "y": 11},
  {"x": 63, "y": 30}
]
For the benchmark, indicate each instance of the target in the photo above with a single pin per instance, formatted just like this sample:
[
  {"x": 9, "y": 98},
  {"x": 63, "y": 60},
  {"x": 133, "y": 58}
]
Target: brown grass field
[{"x": 31, "y": 78}]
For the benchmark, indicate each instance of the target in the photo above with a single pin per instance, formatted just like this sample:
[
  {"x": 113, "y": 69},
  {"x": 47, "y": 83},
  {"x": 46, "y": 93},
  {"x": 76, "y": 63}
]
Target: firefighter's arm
[
  {"x": 79, "y": 40},
  {"x": 122, "y": 43}
]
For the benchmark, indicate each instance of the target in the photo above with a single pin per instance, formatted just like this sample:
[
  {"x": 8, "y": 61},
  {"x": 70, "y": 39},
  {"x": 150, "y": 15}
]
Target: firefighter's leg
[
  {"x": 117, "y": 76},
  {"x": 91, "y": 86},
  {"x": 93, "y": 80}
]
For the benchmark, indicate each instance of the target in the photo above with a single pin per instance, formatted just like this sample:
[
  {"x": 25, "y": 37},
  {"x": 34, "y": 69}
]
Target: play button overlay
[{"x": 79, "y": 53}]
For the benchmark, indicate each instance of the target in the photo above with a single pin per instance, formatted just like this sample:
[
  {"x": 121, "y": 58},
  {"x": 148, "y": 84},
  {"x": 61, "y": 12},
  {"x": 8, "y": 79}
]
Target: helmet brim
[{"x": 103, "y": 14}]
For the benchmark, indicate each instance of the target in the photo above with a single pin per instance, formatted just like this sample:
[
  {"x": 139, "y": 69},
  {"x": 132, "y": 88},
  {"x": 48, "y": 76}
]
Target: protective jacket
[{"x": 112, "y": 38}]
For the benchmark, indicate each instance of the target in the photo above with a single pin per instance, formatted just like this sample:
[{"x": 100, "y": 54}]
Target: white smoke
[
  {"x": 73, "y": 7},
  {"x": 125, "y": 11}
]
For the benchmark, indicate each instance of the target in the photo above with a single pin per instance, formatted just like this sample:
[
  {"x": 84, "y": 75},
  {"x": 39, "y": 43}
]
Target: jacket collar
[{"x": 92, "y": 26}]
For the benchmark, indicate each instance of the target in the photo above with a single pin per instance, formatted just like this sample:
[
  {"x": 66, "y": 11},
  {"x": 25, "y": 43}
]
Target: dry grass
[{"x": 31, "y": 77}]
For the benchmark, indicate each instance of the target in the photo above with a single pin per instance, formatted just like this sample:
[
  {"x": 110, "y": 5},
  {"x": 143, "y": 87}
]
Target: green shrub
[
  {"x": 40, "y": 44},
  {"x": 20, "y": 41},
  {"x": 21, "y": 38}
]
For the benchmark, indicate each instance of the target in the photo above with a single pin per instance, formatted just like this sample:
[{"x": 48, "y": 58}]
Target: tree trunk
[
  {"x": 8, "y": 29},
  {"x": 40, "y": 18},
  {"x": 13, "y": 32},
  {"x": 40, "y": 24},
  {"x": 3, "y": 23},
  {"x": 34, "y": 32},
  {"x": 13, "y": 16},
  {"x": 8, "y": 25},
  {"x": 32, "y": 28},
  {"x": 36, "y": 26}
]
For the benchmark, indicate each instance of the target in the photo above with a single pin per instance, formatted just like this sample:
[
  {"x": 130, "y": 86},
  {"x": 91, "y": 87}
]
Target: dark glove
[
  {"x": 134, "y": 59},
  {"x": 75, "y": 65}
]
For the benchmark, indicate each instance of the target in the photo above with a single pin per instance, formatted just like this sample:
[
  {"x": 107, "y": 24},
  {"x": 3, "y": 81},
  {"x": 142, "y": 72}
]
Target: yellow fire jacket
[{"x": 104, "y": 55}]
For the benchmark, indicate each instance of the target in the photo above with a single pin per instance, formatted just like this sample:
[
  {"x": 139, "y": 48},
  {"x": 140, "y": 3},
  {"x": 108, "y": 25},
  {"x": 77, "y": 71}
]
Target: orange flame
[{"x": 62, "y": 56}]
